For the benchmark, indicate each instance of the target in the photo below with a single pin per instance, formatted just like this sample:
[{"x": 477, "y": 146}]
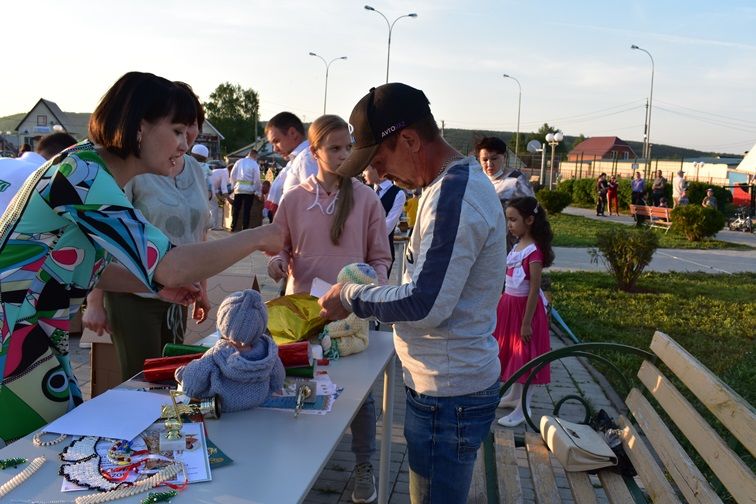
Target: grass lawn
[
  {"x": 711, "y": 316},
  {"x": 576, "y": 231}
]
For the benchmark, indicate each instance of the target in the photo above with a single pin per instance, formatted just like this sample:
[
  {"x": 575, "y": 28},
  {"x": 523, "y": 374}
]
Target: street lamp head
[
  {"x": 634, "y": 47},
  {"x": 343, "y": 58},
  {"x": 412, "y": 14},
  {"x": 559, "y": 136},
  {"x": 506, "y": 76},
  {"x": 313, "y": 54},
  {"x": 550, "y": 137},
  {"x": 367, "y": 7}
]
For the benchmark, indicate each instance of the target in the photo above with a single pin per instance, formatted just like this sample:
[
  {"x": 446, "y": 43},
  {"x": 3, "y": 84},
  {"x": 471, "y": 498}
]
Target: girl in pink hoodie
[{"x": 329, "y": 221}]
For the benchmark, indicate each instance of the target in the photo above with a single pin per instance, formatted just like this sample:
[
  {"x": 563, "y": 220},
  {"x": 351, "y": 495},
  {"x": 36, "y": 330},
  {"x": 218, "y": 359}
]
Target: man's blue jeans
[{"x": 443, "y": 436}]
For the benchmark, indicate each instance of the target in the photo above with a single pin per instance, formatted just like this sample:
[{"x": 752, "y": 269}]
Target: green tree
[
  {"x": 540, "y": 135},
  {"x": 234, "y": 111}
]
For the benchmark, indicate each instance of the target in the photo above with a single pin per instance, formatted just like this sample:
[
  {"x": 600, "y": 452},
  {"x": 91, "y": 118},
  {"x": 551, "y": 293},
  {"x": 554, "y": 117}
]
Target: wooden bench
[
  {"x": 659, "y": 217},
  {"x": 665, "y": 470}
]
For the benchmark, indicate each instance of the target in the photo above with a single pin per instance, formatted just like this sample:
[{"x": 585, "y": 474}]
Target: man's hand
[
  {"x": 330, "y": 304},
  {"x": 95, "y": 318},
  {"x": 184, "y": 295}
]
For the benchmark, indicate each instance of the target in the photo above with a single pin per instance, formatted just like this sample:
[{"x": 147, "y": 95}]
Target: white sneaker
[{"x": 513, "y": 419}]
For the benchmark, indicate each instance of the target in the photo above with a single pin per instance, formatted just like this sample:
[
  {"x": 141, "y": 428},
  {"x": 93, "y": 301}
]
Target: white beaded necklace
[{"x": 22, "y": 476}]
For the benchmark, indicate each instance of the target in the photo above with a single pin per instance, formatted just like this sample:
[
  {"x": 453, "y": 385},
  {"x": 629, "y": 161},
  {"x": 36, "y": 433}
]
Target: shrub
[
  {"x": 553, "y": 201},
  {"x": 625, "y": 252},
  {"x": 696, "y": 222},
  {"x": 566, "y": 185},
  {"x": 584, "y": 191},
  {"x": 697, "y": 192}
]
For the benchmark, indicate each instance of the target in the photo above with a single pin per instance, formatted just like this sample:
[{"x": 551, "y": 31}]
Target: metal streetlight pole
[
  {"x": 390, "y": 29},
  {"x": 328, "y": 66},
  {"x": 519, "y": 103},
  {"x": 553, "y": 139},
  {"x": 647, "y": 136}
]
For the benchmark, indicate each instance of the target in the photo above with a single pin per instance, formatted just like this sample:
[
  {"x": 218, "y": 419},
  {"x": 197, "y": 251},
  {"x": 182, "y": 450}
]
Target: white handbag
[{"x": 578, "y": 447}]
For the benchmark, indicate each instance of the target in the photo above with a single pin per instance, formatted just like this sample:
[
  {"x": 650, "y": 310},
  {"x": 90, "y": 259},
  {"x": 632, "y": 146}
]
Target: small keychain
[
  {"x": 155, "y": 497},
  {"x": 12, "y": 462}
]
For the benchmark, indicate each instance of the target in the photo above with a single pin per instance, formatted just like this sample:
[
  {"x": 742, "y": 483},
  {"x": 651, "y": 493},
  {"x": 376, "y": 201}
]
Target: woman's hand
[
  {"x": 271, "y": 241},
  {"x": 184, "y": 295},
  {"x": 201, "y": 308},
  {"x": 277, "y": 269},
  {"x": 95, "y": 318}
]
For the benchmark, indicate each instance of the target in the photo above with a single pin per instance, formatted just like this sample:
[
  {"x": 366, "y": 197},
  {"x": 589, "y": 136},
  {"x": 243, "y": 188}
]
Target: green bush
[
  {"x": 553, "y": 201},
  {"x": 696, "y": 222},
  {"x": 697, "y": 192},
  {"x": 625, "y": 252},
  {"x": 566, "y": 185},
  {"x": 584, "y": 192}
]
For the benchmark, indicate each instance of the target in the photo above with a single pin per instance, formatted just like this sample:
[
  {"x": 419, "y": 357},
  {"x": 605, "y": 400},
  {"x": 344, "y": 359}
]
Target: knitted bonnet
[
  {"x": 349, "y": 336},
  {"x": 242, "y": 317},
  {"x": 359, "y": 273}
]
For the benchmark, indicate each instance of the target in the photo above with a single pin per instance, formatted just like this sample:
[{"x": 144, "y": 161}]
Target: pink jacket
[{"x": 305, "y": 215}]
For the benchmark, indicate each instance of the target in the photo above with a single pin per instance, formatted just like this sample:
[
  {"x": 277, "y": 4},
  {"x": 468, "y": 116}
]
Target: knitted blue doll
[{"x": 243, "y": 367}]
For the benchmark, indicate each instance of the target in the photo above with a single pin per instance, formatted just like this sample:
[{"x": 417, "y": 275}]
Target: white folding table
[{"x": 277, "y": 458}]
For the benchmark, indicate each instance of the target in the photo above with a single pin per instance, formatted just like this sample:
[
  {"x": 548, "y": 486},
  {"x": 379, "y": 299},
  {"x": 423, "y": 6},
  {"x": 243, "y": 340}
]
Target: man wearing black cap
[{"x": 444, "y": 312}]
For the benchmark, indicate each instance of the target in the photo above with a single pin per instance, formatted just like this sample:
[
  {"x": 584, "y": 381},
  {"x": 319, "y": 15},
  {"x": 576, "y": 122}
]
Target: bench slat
[
  {"x": 650, "y": 473},
  {"x": 684, "y": 472},
  {"x": 544, "y": 481},
  {"x": 726, "y": 404},
  {"x": 510, "y": 487},
  {"x": 581, "y": 487},
  {"x": 477, "y": 492},
  {"x": 728, "y": 467},
  {"x": 615, "y": 488}
]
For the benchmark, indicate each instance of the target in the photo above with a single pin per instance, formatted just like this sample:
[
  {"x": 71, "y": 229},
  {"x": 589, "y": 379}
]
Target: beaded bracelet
[
  {"x": 22, "y": 476},
  {"x": 37, "y": 439}
]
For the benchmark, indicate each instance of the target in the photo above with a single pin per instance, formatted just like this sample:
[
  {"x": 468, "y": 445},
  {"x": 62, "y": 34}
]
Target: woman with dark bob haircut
[{"x": 71, "y": 227}]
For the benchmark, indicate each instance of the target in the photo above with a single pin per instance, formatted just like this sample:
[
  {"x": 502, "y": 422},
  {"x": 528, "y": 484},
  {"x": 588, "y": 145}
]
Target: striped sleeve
[{"x": 447, "y": 253}]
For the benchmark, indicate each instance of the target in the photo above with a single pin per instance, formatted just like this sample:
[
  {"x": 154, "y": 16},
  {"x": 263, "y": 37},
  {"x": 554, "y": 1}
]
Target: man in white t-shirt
[
  {"x": 286, "y": 134},
  {"x": 14, "y": 171},
  {"x": 201, "y": 153},
  {"x": 219, "y": 188},
  {"x": 245, "y": 178}
]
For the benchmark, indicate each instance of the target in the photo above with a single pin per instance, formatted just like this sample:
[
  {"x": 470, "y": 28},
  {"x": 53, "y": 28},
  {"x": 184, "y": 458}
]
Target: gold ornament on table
[
  {"x": 172, "y": 439},
  {"x": 208, "y": 408}
]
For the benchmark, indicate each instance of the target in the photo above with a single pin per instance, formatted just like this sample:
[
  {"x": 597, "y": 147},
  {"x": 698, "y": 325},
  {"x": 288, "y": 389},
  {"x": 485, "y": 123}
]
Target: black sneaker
[{"x": 364, "y": 483}]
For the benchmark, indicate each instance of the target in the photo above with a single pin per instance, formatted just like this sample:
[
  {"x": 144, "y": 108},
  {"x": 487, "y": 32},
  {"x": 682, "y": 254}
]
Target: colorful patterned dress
[{"x": 68, "y": 222}]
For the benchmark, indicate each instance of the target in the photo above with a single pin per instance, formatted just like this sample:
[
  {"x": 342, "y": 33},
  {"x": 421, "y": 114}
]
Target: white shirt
[
  {"x": 392, "y": 218},
  {"x": 245, "y": 177},
  {"x": 13, "y": 173},
  {"x": 219, "y": 181},
  {"x": 277, "y": 187},
  {"x": 302, "y": 167}
]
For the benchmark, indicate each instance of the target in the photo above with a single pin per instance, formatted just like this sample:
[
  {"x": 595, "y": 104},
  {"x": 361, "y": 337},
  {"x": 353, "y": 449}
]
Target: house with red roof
[{"x": 609, "y": 148}]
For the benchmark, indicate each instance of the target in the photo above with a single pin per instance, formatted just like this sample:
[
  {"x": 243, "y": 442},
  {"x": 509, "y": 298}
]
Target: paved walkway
[
  {"x": 710, "y": 261},
  {"x": 336, "y": 481}
]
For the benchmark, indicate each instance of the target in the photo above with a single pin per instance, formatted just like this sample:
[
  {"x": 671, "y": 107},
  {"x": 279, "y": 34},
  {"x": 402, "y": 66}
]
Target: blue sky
[{"x": 573, "y": 59}]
